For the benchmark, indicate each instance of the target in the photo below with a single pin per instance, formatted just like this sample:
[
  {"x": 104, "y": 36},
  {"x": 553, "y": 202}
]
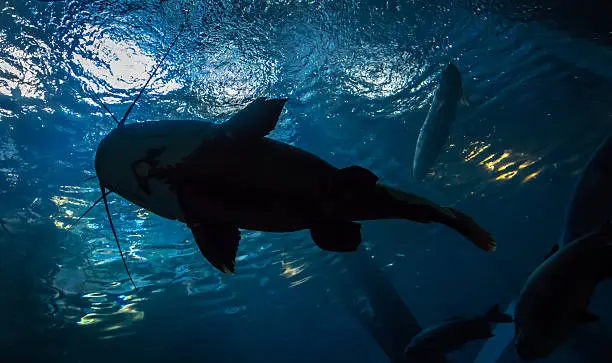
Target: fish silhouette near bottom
[
  {"x": 452, "y": 334},
  {"x": 554, "y": 302}
]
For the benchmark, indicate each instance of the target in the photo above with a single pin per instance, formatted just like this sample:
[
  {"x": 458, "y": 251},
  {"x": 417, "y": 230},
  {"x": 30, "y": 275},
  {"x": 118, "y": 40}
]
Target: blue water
[{"x": 359, "y": 77}]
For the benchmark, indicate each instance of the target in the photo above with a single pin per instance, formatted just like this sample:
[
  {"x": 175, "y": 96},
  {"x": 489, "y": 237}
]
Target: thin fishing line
[
  {"x": 110, "y": 221},
  {"x": 127, "y": 113},
  {"x": 91, "y": 207}
]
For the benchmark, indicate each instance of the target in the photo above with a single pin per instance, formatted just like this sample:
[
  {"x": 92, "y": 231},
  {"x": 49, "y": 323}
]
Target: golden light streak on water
[
  {"x": 475, "y": 153},
  {"x": 64, "y": 202},
  {"x": 90, "y": 319},
  {"x": 61, "y": 225},
  {"x": 289, "y": 270},
  {"x": 532, "y": 176},
  {"x": 507, "y": 176},
  {"x": 59, "y": 200},
  {"x": 95, "y": 295},
  {"x": 513, "y": 162},
  {"x": 491, "y": 164},
  {"x": 129, "y": 310},
  {"x": 506, "y": 166},
  {"x": 487, "y": 159}
]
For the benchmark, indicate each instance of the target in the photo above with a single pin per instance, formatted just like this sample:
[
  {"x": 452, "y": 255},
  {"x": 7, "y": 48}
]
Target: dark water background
[{"x": 360, "y": 76}]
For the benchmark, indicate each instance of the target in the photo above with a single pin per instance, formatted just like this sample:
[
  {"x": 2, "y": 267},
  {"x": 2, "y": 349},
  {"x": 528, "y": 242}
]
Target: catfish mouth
[
  {"x": 136, "y": 199},
  {"x": 109, "y": 163}
]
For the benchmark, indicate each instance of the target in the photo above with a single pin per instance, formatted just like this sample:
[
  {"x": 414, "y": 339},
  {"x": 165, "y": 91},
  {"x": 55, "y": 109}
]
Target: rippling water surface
[{"x": 360, "y": 76}]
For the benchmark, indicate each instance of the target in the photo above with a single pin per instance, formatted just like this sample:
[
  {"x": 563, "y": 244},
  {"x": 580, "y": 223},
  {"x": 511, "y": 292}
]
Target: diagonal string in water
[
  {"x": 122, "y": 122},
  {"x": 99, "y": 100},
  {"x": 110, "y": 221},
  {"x": 91, "y": 207}
]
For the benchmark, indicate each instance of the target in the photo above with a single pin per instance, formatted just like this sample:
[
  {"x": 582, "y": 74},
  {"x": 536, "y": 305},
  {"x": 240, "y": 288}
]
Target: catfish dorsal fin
[{"x": 256, "y": 120}]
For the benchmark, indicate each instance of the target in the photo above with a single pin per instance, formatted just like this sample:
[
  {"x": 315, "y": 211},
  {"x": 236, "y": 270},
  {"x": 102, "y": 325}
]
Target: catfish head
[{"x": 135, "y": 161}]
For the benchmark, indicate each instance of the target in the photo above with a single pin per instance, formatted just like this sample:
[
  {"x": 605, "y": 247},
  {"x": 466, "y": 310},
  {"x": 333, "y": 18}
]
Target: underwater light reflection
[
  {"x": 121, "y": 64},
  {"x": 112, "y": 313},
  {"x": 289, "y": 270},
  {"x": 20, "y": 71},
  {"x": 513, "y": 162},
  {"x": 375, "y": 74},
  {"x": 224, "y": 78}
]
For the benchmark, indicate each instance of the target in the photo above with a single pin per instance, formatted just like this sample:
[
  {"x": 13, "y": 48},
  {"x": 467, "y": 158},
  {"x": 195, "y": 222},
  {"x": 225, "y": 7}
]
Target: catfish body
[
  {"x": 219, "y": 178},
  {"x": 434, "y": 132}
]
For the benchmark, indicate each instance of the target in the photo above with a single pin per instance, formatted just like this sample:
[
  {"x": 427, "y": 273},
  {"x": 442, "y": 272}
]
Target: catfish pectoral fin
[
  {"x": 218, "y": 242},
  {"x": 337, "y": 236}
]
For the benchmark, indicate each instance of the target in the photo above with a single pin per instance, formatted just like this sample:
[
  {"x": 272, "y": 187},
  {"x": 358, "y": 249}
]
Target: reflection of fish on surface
[
  {"x": 452, "y": 334},
  {"x": 386, "y": 317},
  {"x": 433, "y": 135},
  {"x": 555, "y": 299}
]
